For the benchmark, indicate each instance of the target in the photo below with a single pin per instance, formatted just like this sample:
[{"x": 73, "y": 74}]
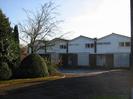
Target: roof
[
  {"x": 55, "y": 39},
  {"x": 113, "y": 34},
  {"x": 83, "y": 37}
]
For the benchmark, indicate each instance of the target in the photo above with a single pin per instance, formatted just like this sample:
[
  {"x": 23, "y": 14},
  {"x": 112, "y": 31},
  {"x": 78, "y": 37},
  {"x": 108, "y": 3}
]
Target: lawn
[
  {"x": 110, "y": 97},
  {"x": 19, "y": 83}
]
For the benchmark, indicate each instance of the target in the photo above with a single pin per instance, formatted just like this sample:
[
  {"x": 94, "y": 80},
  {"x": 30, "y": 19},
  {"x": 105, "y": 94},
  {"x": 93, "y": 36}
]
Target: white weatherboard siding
[
  {"x": 56, "y": 48},
  {"x": 109, "y": 50},
  {"x": 111, "y": 44},
  {"x": 121, "y": 60},
  {"x": 83, "y": 59},
  {"x": 77, "y": 45},
  {"x": 114, "y": 46}
]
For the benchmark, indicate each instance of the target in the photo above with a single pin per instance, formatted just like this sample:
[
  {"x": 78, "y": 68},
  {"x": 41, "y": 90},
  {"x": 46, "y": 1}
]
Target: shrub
[
  {"x": 5, "y": 71},
  {"x": 52, "y": 68},
  {"x": 33, "y": 66}
]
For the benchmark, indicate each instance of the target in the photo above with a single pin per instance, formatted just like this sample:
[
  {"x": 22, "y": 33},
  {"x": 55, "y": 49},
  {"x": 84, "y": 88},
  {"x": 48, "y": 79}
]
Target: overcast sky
[{"x": 92, "y": 18}]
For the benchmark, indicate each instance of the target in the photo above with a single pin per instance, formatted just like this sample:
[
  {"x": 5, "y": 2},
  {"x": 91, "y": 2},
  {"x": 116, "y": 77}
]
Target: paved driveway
[{"x": 88, "y": 85}]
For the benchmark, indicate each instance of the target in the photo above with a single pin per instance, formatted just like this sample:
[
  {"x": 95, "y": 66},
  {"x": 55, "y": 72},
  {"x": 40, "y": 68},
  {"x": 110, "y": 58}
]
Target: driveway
[{"x": 111, "y": 84}]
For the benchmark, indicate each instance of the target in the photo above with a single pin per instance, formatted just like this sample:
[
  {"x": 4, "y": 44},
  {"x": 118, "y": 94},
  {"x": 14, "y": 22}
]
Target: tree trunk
[{"x": 32, "y": 49}]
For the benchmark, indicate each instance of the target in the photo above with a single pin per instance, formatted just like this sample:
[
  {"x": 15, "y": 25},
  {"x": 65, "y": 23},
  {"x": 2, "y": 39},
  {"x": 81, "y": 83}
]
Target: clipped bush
[
  {"x": 33, "y": 66},
  {"x": 5, "y": 71},
  {"x": 52, "y": 68}
]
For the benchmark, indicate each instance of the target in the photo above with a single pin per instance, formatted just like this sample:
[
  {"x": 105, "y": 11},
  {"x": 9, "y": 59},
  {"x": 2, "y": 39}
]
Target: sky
[{"x": 91, "y": 18}]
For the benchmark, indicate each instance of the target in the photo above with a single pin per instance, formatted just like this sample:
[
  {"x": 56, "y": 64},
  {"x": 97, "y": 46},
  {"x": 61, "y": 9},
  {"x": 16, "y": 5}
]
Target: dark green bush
[
  {"x": 5, "y": 71},
  {"x": 33, "y": 66}
]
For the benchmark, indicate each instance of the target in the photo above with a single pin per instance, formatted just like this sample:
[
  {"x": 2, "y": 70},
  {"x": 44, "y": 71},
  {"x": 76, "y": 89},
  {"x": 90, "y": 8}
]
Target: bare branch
[{"x": 39, "y": 25}]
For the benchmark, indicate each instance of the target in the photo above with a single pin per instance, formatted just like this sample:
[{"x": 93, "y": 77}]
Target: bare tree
[{"x": 40, "y": 25}]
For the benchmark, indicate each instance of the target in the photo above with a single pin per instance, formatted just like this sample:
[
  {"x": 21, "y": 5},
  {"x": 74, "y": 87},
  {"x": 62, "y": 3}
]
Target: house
[
  {"x": 53, "y": 50},
  {"x": 79, "y": 49},
  {"x": 58, "y": 49},
  {"x": 111, "y": 51}
]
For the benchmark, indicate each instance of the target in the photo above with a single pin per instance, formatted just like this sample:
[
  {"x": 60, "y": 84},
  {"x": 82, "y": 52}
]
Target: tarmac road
[{"x": 86, "y": 85}]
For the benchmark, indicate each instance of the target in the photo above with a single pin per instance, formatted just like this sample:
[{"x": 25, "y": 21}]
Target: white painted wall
[
  {"x": 77, "y": 45},
  {"x": 114, "y": 47},
  {"x": 56, "y": 48}
]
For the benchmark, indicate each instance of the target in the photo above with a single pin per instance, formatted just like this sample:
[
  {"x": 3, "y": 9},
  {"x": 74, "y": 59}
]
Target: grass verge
[
  {"x": 110, "y": 97},
  {"x": 18, "y": 83}
]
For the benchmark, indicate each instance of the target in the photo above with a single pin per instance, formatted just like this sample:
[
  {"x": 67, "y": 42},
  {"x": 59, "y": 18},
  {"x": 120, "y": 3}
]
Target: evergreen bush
[
  {"x": 5, "y": 71},
  {"x": 33, "y": 66}
]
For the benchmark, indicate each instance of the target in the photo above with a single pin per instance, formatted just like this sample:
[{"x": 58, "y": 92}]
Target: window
[
  {"x": 89, "y": 45},
  {"x": 92, "y": 45},
  {"x": 121, "y": 44},
  {"x": 124, "y": 44},
  {"x": 63, "y": 46},
  {"x": 127, "y": 44}
]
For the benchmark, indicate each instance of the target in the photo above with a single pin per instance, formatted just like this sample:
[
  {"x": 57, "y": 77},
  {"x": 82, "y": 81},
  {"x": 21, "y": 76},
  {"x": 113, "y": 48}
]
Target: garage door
[
  {"x": 121, "y": 60},
  {"x": 83, "y": 59}
]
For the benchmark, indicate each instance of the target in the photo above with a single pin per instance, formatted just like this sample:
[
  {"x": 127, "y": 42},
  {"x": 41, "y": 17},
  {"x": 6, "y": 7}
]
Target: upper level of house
[
  {"x": 58, "y": 45},
  {"x": 114, "y": 43},
  {"x": 81, "y": 44}
]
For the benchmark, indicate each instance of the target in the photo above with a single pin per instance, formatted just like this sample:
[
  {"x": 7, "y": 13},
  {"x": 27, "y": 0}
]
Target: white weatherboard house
[
  {"x": 54, "y": 50},
  {"x": 113, "y": 50},
  {"x": 82, "y": 47},
  {"x": 59, "y": 47},
  {"x": 110, "y": 51}
]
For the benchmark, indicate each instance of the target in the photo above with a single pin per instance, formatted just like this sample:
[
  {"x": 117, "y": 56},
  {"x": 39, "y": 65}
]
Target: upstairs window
[
  {"x": 63, "y": 46},
  {"x": 121, "y": 44},
  {"x": 127, "y": 44},
  {"x": 92, "y": 45},
  {"x": 89, "y": 45},
  {"x": 124, "y": 44}
]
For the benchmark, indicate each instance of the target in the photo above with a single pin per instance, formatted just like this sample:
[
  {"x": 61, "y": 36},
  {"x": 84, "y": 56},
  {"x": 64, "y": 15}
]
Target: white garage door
[
  {"x": 121, "y": 60},
  {"x": 83, "y": 59},
  {"x": 101, "y": 60}
]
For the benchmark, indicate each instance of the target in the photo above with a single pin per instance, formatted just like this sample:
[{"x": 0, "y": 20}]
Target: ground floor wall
[
  {"x": 70, "y": 59},
  {"x": 83, "y": 59},
  {"x": 114, "y": 60},
  {"x": 52, "y": 57},
  {"x": 122, "y": 60},
  {"x": 105, "y": 60}
]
